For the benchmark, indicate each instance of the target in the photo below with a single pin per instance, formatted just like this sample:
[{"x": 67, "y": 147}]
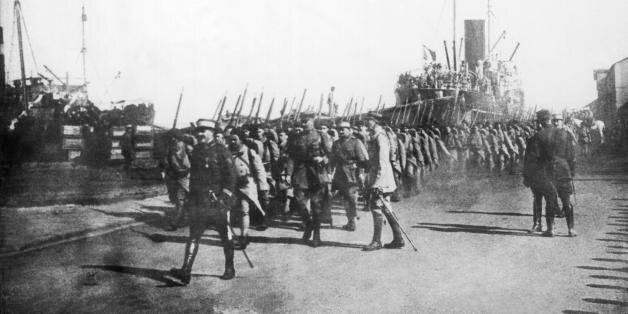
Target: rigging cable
[{"x": 28, "y": 38}]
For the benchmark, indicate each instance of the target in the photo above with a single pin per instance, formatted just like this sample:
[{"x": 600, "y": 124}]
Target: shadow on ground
[{"x": 490, "y": 230}]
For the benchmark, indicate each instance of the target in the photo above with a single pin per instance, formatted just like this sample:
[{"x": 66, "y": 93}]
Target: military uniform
[
  {"x": 348, "y": 154},
  {"x": 381, "y": 183},
  {"x": 308, "y": 153},
  {"x": 177, "y": 177},
  {"x": 211, "y": 174},
  {"x": 560, "y": 158},
  {"x": 250, "y": 176},
  {"x": 536, "y": 178}
]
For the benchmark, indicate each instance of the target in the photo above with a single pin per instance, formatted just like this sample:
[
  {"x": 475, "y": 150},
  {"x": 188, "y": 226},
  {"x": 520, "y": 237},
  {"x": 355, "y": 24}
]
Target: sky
[{"x": 154, "y": 49}]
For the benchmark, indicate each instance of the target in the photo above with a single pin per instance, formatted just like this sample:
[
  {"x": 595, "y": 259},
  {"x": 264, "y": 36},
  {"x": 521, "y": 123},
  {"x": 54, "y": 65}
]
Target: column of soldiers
[{"x": 231, "y": 175}]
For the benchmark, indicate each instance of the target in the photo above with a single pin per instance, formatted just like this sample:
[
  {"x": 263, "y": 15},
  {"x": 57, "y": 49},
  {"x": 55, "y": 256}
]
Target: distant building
[{"x": 612, "y": 93}]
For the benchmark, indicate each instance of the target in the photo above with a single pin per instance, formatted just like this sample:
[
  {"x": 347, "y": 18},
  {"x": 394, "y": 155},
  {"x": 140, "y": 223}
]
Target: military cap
[
  {"x": 129, "y": 126},
  {"x": 202, "y": 124},
  {"x": 344, "y": 124},
  {"x": 543, "y": 114}
]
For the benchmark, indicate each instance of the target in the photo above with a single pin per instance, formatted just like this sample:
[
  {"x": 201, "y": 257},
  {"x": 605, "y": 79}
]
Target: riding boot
[
  {"x": 316, "y": 242},
  {"x": 350, "y": 226},
  {"x": 243, "y": 241},
  {"x": 536, "y": 227},
  {"x": 376, "y": 243},
  {"x": 307, "y": 233},
  {"x": 397, "y": 241},
  {"x": 549, "y": 220},
  {"x": 570, "y": 221},
  {"x": 229, "y": 268},
  {"x": 184, "y": 273}
]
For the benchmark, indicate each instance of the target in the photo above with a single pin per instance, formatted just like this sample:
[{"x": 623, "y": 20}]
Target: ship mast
[
  {"x": 83, "y": 49},
  {"x": 488, "y": 28},
  {"x": 454, "y": 39},
  {"x": 18, "y": 16}
]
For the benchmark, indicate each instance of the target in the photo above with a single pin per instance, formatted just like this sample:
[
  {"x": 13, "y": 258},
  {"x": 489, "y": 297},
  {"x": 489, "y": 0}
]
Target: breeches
[
  {"x": 309, "y": 202},
  {"x": 350, "y": 195},
  {"x": 380, "y": 205}
]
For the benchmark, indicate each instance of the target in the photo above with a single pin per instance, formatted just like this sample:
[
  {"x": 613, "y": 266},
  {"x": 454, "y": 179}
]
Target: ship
[{"x": 476, "y": 87}]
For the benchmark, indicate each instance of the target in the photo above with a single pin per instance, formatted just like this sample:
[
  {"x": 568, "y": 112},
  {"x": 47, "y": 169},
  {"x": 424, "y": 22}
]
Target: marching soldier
[
  {"x": 348, "y": 154},
  {"x": 177, "y": 177},
  {"x": 309, "y": 156},
  {"x": 536, "y": 178},
  {"x": 250, "y": 174},
  {"x": 211, "y": 177},
  {"x": 563, "y": 168},
  {"x": 381, "y": 184}
]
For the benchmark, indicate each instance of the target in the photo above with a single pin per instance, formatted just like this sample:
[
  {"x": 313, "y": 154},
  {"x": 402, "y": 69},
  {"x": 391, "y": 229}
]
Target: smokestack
[
  {"x": 474, "y": 43},
  {"x": 2, "y": 78}
]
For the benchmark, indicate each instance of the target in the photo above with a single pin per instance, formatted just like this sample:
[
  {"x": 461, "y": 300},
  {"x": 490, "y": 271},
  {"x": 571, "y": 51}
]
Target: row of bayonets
[{"x": 401, "y": 114}]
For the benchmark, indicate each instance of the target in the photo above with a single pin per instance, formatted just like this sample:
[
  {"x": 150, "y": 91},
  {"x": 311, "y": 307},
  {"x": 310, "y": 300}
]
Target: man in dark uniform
[
  {"x": 536, "y": 178},
  {"x": 127, "y": 143},
  {"x": 563, "y": 168},
  {"x": 212, "y": 177},
  {"x": 556, "y": 156},
  {"x": 348, "y": 154},
  {"x": 308, "y": 151}
]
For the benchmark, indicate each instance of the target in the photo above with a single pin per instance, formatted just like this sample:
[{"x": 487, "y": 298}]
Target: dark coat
[
  {"x": 347, "y": 154},
  {"x": 211, "y": 171},
  {"x": 303, "y": 149}
]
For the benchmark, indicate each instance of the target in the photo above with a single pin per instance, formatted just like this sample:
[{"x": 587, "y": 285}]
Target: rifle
[
  {"x": 379, "y": 102},
  {"x": 361, "y": 108},
  {"x": 429, "y": 114},
  {"x": 283, "y": 112},
  {"x": 259, "y": 105},
  {"x": 298, "y": 115},
  {"x": 224, "y": 101},
  {"x": 235, "y": 110},
  {"x": 347, "y": 108},
  {"x": 215, "y": 199},
  {"x": 217, "y": 108},
  {"x": 400, "y": 113},
  {"x": 176, "y": 115},
  {"x": 241, "y": 105},
  {"x": 272, "y": 102},
  {"x": 416, "y": 113},
  {"x": 251, "y": 112},
  {"x": 320, "y": 108}
]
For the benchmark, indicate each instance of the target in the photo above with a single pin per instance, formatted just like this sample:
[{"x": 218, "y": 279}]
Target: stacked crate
[
  {"x": 144, "y": 142},
  {"x": 116, "y": 136},
  {"x": 72, "y": 141}
]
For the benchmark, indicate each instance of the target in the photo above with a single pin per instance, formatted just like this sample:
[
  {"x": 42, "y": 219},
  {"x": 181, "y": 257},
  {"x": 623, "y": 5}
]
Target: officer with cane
[
  {"x": 212, "y": 176},
  {"x": 381, "y": 184}
]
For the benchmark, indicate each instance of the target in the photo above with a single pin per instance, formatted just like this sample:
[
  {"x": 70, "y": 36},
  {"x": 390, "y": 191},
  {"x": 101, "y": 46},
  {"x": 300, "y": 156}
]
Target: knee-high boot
[
  {"x": 397, "y": 241},
  {"x": 184, "y": 273},
  {"x": 228, "y": 249},
  {"x": 376, "y": 243},
  {"x": 570, "y": 221}
]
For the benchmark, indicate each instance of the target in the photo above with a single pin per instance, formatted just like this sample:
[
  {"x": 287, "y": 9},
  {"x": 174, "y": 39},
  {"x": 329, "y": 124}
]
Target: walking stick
[
  {"x": 215, "y": 198},
  {"x": 381, "y": 198}
]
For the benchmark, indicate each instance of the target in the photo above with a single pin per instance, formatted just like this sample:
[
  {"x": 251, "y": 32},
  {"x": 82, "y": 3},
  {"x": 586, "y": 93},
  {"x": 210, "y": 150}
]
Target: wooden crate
[
  {"x": 144, "y": 154},
  {"x": 144, "y": 144},
  {"x": 71, "y": 130},
  {"x": 72, "y": 143},
  {"x": 74, "y": 153},
  {"x": 117, "y": 131},
  {"x": 116, "y": 154},
  {"x": 144, "y": 130}
]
